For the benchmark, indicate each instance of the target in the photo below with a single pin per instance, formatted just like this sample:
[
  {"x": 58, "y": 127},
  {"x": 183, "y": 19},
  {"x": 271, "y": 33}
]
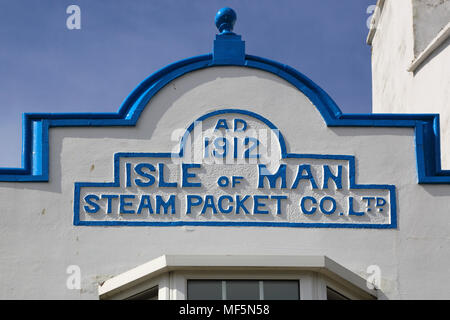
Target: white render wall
[
  {"x": 39, "y": 240},
  {"x": 404, "y": 30}
]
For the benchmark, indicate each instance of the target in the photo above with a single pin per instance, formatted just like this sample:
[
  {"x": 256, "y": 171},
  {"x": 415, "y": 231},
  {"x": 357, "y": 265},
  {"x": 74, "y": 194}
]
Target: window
[
  {"x": 334, "y": 295},
  {"x": 150, "y": 294},
  {"x": 205, "y": 290},
  {"x": 243, "y": 290}
]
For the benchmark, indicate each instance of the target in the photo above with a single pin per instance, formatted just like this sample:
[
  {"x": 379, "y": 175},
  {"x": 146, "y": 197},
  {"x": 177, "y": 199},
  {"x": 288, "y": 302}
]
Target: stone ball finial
[{"x": 225, "y": 20}]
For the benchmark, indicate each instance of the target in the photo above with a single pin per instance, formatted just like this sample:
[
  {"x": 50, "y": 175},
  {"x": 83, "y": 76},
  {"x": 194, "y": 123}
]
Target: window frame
[
  {"x": 171, "y": 273},
  {"x": 159, "y": 282},
  {"x": 261, "y": 286},
  {"x": 347, "y": 292}
]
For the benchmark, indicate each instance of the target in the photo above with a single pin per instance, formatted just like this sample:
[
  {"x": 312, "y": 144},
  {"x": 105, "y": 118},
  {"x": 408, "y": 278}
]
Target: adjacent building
[{"x": 232, "y": 176}]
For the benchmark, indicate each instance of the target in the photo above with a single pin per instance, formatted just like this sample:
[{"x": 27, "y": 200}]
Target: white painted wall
[
  {"x": 39, "y": 241},
  {"x": 404, "y": 30}
]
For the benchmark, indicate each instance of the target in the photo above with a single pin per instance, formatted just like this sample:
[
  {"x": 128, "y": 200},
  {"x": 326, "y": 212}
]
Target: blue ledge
[{"x": 35, "y": 149}]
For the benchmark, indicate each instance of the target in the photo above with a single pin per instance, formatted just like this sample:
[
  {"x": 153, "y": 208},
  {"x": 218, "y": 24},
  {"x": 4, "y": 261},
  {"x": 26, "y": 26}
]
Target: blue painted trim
[
  {"x": 284, "y": 155},
  {"x": 35, "y": 144},
  {"x": 237, "y": 111}
]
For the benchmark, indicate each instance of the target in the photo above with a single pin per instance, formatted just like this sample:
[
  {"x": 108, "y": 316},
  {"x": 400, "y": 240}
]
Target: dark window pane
[
  {"x": 334, "y": 295},
  {"x": 150, "y": 294},
  {"x": 281, "y": 290},
  {"x": 204, "y": 290},
  {"x": 242, "y": 290}
]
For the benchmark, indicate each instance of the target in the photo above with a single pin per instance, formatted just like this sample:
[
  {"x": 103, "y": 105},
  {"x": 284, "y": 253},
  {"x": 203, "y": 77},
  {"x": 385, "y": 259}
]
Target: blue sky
[{"x": 44, "y": 67}]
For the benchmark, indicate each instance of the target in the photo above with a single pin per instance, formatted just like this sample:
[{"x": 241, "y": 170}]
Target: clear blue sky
[{"x": 44, "y": 67}]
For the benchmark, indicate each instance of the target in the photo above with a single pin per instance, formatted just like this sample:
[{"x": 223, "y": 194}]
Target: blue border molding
[{"x": 228, "y": 51}]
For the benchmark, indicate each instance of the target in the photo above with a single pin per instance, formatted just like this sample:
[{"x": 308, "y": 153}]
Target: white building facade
[{"x": 226, "y": 176}]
